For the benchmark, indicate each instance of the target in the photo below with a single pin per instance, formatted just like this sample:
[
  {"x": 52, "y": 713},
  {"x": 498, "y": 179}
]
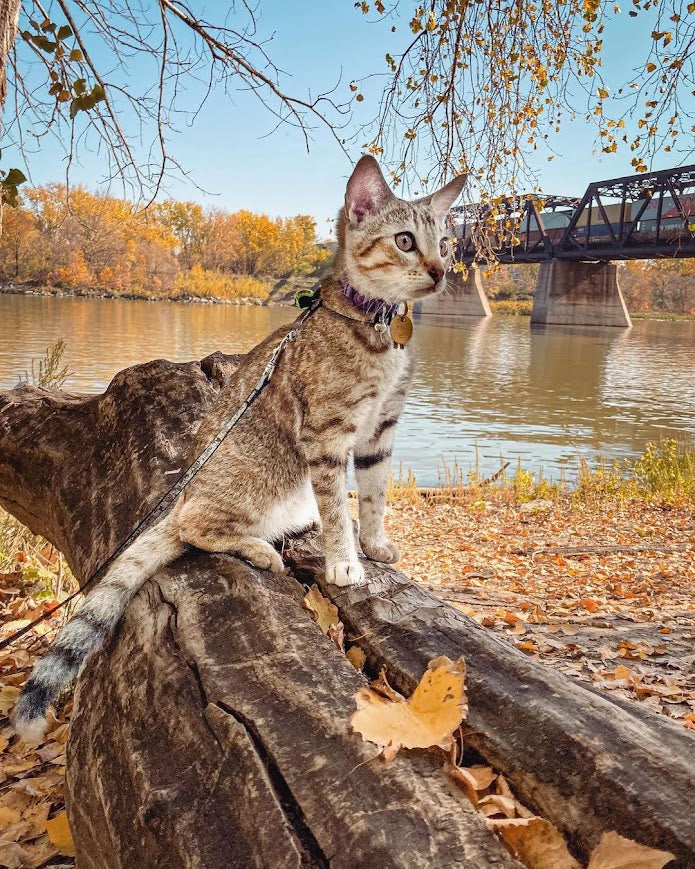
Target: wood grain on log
[
  {"x": 214, "y": 731},
  {"x": 216, "y": 734}
]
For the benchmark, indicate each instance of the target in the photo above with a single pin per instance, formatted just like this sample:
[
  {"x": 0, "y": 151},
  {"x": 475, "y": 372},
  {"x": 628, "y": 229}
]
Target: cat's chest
[{"x": 386, "y": 376}]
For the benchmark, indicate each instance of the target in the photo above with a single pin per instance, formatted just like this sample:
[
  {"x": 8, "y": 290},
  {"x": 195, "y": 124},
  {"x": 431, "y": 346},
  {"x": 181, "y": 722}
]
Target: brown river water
[{"x": 484, "y": 389}]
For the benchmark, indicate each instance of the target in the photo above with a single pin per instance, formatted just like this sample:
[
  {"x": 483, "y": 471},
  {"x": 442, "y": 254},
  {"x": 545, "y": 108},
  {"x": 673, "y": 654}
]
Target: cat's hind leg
[{"x": 252, "y": 549}]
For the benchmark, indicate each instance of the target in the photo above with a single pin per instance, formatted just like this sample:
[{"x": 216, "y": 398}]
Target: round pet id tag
[{"x": 401, "y": 329}]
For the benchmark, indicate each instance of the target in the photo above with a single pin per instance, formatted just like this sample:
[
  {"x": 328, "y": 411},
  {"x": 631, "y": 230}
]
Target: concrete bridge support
[
  {"x": 466, "y": 297},
  {"x": 578, "y": 293}
]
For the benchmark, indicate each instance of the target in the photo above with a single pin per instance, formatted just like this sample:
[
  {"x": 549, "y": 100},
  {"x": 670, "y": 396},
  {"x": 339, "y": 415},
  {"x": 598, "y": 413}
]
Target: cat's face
[{"x": 393, "y": 249}]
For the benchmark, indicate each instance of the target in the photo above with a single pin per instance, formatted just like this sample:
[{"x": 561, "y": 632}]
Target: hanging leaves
[
  {"x": 480, "y": 85},
  {"x": 60, "y": 71},
  {"x": 9, "y": 186}
]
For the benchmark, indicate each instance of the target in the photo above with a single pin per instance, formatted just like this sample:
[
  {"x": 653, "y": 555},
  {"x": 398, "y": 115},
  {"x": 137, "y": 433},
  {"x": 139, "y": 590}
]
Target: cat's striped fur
[{"x": 339, "y": 388}]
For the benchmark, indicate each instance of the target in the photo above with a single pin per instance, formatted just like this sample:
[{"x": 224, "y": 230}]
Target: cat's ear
[
  {"x": 367, "y": 192},
  {"x": 443, "y": 199}
]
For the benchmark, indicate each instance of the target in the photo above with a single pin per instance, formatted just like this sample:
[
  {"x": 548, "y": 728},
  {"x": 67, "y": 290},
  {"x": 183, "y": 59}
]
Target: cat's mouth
[{"x": 428, "y": 291}]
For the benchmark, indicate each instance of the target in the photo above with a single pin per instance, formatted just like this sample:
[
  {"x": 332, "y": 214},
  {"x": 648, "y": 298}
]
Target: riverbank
[
  {"x": 281, "y": 293},
  {"x": 524, "y": 307},
  {"x": 278, "y": 291}
]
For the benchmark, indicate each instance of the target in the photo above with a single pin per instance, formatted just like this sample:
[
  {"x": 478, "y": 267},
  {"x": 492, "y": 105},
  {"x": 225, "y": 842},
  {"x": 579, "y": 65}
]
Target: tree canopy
[{"x": 467, "y": 85}]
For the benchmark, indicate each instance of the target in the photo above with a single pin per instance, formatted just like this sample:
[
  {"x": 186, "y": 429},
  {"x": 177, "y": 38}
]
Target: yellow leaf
[
  {"x": 467, "y": 781},
  {"x": 428, "y": 718},
  {"x": 9, "y": 694},
  {"x": 536, "y": 842},
  {"x": 8, "y": 816},
  {"x": 651, "y": 67},
  {"x": 603, "y": 93},
  {"x": 356, "y": 657},
  {"x": 325, "y": 612},
  {"x": 336, "y": 635},
  {"x": 59, "y": 833},
  {"x": 616, "y": 852},
  {"x": 498, "y": 804}
]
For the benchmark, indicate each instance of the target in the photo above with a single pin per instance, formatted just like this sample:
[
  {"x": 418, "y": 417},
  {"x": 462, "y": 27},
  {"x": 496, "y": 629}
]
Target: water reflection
[{"x": 491, "y": 386}]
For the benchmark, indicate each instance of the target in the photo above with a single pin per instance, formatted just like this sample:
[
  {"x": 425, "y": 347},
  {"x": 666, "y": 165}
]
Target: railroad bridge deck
[{"x": 645, "y": 216}]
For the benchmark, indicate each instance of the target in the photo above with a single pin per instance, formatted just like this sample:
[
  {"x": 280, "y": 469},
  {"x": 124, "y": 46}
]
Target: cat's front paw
[
  {"x": 262, "y": 555},
  {"x": 380, "y": 549},
  {"x": 345, "y": 573}
]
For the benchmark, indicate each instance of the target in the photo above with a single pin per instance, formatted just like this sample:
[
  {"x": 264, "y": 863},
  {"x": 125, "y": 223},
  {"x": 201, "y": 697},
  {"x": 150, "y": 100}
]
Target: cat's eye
[
  {"x": 444, "y": 247},
  {"x": 405, "y": 241}
]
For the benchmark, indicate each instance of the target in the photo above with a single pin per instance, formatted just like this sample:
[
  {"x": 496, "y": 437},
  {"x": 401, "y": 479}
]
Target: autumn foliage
[{"x": 91, "y": 242}]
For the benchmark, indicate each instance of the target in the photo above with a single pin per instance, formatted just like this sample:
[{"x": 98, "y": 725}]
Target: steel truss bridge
[{"x": 645, "y": 216}]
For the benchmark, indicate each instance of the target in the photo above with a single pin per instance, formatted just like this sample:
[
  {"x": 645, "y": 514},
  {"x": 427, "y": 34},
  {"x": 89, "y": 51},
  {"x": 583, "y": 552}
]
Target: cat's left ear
[
  {"x": 367, "y": 192},
  {"x": 443, "y": 199}
]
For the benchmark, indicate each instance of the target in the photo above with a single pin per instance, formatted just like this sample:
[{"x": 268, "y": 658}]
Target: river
[{"x": 484, "y": 389}]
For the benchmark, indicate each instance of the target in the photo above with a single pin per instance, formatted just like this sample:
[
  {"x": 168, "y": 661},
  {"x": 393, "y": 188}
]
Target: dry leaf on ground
[
  {"x": 616, "y": 852},
  {"x": 428, "y": 718},
  {"x": 535, "y": 842},
  {"x": 59, "y": 833}
]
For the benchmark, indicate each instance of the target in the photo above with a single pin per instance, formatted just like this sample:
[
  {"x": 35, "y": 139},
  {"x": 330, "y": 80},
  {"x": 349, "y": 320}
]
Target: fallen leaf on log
[
  {"x": 468, "y": 782},
  {"x": 616, "y": 852},
  {"x": 325, "y": 612},
  {"x": 336, "y": 634},
  {"x": 428, "y": 718},
  {"x": 356, "y": 657},
  {"x": 535, "y": 842},
  {"x": 496, "y": 804}
]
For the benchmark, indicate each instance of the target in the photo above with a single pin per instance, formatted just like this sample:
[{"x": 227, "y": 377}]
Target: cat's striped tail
[{"x": 93, "y": 626}]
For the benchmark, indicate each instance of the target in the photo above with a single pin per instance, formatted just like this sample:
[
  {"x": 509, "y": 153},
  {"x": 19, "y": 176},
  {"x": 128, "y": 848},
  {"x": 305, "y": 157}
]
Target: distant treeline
[
  {"x": 88, "y": 242},
  {"x": 666, "y": 286}
]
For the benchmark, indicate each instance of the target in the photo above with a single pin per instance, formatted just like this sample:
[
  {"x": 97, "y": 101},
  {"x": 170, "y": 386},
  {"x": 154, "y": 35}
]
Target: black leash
[{"x": 311, "y": 304}]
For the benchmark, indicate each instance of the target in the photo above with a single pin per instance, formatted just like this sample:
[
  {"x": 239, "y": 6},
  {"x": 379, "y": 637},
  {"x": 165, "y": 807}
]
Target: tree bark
[
  {"x": 9, "y": 16},
  {"x": 215, "y": 730}
]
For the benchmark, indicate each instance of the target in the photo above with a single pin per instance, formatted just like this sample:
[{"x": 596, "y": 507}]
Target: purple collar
[{"x": 383, "y": 311}]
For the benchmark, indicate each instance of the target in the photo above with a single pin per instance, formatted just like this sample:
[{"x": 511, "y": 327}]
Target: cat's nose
[{"x": 436, "y": 273}]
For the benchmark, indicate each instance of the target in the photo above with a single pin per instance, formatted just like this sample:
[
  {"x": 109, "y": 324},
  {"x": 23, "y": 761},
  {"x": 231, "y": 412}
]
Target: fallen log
[{"x": 215, "y": 730}]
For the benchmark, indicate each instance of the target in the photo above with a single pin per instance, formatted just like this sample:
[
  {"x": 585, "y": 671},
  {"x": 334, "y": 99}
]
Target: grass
[
  {"x": 517, "y": 307},
  {"x": 31, "y": 563},
  {"x": 49, "y": 372},
  {"x": 659, "y": 315},
  {"x": 664, "y": 473}
]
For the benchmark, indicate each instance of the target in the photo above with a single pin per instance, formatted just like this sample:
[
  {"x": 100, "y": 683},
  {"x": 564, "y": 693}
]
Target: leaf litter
[
  {"x": 603, "y": 595},
  {"x": 34, "y": 831},
  {"x": 430, "y": 719}
]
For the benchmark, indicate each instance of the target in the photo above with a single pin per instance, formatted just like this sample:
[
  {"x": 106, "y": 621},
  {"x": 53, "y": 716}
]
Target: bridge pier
[
  {"x": 466, "y": 297},
  {"x": 572, "y": 292}
]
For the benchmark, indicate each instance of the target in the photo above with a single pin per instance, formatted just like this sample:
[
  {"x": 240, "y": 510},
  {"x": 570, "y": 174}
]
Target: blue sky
[{"x": 228, "y": 152}]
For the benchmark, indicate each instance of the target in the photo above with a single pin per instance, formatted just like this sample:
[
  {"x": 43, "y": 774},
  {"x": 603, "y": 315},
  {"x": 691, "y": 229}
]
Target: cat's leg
[
  {"x": 328, "y": 479},
  {"x": 372, "y": 458},
  {"x": 253, "y": 549}
]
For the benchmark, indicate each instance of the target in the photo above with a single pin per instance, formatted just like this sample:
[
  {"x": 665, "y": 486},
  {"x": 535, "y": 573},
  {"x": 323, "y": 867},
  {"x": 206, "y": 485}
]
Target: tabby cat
[{"x": 339, "y": 388}]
